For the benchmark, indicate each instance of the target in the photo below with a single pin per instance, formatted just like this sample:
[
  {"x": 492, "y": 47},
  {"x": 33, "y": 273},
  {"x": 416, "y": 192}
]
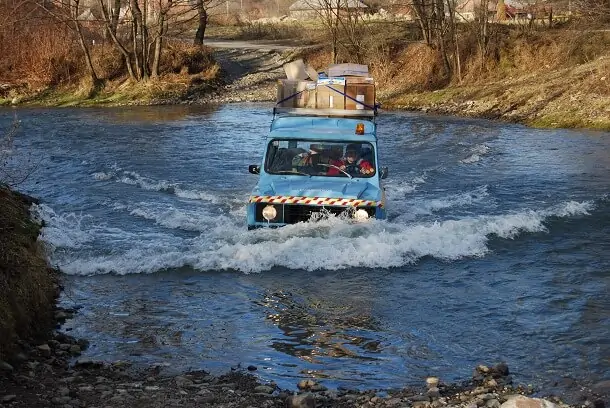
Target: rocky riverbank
[{"x": 51, "y": 374}]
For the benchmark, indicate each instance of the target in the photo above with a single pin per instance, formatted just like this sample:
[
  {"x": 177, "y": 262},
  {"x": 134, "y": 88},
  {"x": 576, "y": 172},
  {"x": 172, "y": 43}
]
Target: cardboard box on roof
[
  {"x": 360, "y": 93},
  {"x": 296, "y": 94},
  {"x": 340, "y": 70},
  {"x": 330, "y": 93},
  {"x": 296, "y": 70}
]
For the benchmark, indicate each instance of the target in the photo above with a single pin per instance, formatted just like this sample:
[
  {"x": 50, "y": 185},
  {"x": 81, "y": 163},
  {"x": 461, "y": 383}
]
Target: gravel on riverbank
[{"x": 51, "y": 374}]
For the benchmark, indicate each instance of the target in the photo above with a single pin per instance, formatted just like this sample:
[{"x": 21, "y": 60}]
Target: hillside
[
  {"x": 576, "y": 96},
  {"x": 556, "y": 77}
]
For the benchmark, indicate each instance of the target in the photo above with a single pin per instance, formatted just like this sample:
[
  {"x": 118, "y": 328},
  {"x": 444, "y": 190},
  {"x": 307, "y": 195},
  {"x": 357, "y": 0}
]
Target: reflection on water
[
  {"x": 317, "y": 329},
  {"x": 155, "y": 114}
]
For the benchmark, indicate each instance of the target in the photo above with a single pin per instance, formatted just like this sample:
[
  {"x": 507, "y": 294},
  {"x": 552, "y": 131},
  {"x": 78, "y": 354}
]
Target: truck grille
[{"x": 293, "y": 213}]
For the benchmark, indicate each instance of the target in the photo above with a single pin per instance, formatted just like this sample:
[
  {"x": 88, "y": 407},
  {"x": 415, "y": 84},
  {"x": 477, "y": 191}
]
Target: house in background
[
  {"x": 505, "y": 10},
  {"x": 466, "y": 10},
  {"x": 312, "y": 9}
]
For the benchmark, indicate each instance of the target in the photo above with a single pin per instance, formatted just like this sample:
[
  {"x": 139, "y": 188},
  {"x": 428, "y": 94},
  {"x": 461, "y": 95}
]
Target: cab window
[{"x": 312, "y": 158}]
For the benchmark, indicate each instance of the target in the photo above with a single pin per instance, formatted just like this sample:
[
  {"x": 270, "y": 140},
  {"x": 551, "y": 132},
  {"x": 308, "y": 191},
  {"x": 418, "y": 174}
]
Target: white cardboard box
[
  {"x": 338, "y": 70},
  {"x": 296, "y": 71}
]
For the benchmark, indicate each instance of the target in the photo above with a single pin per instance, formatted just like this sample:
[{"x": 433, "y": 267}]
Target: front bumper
[{"x": 295, "y": 213}]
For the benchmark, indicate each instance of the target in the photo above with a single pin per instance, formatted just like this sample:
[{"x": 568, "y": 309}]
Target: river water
[{"x": 497, "y": 248}]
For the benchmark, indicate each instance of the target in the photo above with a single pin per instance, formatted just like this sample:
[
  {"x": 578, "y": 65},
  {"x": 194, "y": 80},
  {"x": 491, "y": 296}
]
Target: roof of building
[{"x": 325, "y": 4}]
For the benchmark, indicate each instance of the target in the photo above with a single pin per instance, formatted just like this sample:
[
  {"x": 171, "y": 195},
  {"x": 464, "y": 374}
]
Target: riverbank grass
[{"x": 168, "y": 89}]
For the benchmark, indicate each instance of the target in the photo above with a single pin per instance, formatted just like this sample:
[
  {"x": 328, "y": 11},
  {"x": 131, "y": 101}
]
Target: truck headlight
[
  {"x": 269, "y": 213},
  {"x": 361, "y": 215}
]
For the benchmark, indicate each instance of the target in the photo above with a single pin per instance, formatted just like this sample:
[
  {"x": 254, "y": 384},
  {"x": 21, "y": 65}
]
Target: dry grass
[
  {"x": 416, "y": 68},
  {"x": 42, "y": 57},
  {"x": 515, "y": 53},
  {"x": 179, "y": 57},
  {"x": 108, "y": 62},
  {"x": 270, "y": 31}
]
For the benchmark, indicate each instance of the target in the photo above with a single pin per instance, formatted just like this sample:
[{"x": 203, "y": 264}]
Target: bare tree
[
  {"x": 115, "y": 15},
  {"x": 424, "y": 11},
  {"x": 112, "y": 32},
  {"x": 328, "y": 12},
  {"x": 353, "y": 30},
  {"x": 75, "y": 11},
  {"x": 161, "y": 28},
  {"x": 12, "y": 175},
  {"x": 598, "y": 10},
  {"x": 454, "y": 37}
]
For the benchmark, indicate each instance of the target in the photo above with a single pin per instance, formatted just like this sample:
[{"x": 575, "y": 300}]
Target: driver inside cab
[{"x": 353, "y": 164}]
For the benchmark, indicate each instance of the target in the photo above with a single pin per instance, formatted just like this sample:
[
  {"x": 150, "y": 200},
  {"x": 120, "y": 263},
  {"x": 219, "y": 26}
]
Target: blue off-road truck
[{"x": 316, "y": 163}]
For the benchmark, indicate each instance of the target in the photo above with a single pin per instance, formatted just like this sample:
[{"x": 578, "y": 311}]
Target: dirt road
[{"x": 250, "y": 68}]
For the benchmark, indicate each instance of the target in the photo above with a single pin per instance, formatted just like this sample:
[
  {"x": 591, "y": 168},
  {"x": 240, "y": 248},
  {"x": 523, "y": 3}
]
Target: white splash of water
[
  {"x": 397, "y": 190},
  {"x": 62, "y": 230},
  {"x": 101, "y": 176},
  {"x": 196, "y": 219},
  {"x": 146, "y": 183},
  {"x": 331, "y": 243},
  {"x": 428, "y": 206},
  {"x": 476, "y": 153}
]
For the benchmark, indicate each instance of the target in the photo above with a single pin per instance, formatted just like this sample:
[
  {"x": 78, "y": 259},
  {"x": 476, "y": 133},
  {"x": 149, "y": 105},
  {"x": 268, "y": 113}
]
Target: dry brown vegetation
[
  {"x": 518, "y": 61},
  {"x": 550, "y": 77},
  {"x": 43, "y": 55}
]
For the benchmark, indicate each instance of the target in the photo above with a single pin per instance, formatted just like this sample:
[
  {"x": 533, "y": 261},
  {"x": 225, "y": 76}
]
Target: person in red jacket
[{"x": 352, "y": 164}]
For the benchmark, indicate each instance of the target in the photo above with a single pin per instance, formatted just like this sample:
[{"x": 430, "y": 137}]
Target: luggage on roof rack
[{"x": 352, "y": 94}]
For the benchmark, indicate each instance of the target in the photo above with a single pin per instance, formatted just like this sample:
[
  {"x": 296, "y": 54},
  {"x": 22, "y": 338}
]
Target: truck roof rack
[{"x": 336, "y": 113}]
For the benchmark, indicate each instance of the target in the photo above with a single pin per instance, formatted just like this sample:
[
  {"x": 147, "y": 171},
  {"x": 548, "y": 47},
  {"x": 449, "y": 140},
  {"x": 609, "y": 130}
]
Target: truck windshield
[{"x": 311, "y": 158}]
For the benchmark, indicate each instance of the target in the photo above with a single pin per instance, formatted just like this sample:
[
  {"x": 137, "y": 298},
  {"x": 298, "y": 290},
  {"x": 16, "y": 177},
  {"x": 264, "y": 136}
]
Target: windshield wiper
[
  {"x": 291, "y": 172},
  {"x": 335, "y": 167}
]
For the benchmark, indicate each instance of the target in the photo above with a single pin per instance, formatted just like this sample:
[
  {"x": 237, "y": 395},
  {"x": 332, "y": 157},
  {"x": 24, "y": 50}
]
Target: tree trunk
[
  {"x": 424, "y": 19},
  {"x": 136, "y": 30},
  {"x": 117, "y": 43},
  {"x": 116, "y": 13},
  {"x": 158, "y": 45},
  {"x": 335, "y": 31},
  {"x": 83, "y": 44},
  {"x": 144, "y": 39},
  {"x": 203, "y": 22}
]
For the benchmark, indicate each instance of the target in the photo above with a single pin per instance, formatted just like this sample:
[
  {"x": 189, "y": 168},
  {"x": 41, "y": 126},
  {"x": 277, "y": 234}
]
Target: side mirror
[
  {"x": 254, "y": 169},
  {"x": 384, "y": 172}
]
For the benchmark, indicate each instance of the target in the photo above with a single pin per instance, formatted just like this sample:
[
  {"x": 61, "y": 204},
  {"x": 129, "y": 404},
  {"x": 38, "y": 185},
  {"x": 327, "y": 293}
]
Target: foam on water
[
  {"x": 465, "y": 199},
  {"x": 330, "y": 243},
  {"x": 399, "y": 189},
  {"x": 476, "y": 154},
  {"x": 146, "y": 183},
  {"x": 63, "y": 230},
  {"x": 195, "y": 219}
]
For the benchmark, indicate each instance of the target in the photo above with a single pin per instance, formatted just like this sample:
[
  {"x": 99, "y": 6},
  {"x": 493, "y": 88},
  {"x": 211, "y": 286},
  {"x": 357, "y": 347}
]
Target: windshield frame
[{"x": 290, "y": 156}]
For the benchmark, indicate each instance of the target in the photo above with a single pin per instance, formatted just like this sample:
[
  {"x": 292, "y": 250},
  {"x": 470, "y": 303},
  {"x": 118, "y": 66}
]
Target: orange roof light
[{"x": 360, "y": 128}]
